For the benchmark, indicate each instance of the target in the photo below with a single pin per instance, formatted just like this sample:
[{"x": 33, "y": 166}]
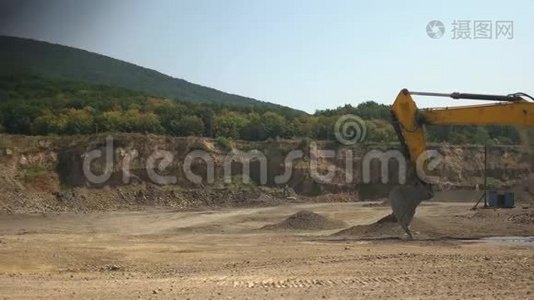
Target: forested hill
[
  {"x": 33, "y": 105},
  {"x": 48, "y": 89},
  {"x": 46, "y": 60}
]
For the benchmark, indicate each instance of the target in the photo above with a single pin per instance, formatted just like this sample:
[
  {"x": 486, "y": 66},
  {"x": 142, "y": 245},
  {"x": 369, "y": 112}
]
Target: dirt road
[{"x": 223, "y": 254}]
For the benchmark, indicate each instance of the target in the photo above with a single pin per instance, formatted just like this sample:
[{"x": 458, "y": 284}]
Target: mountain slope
[{"x": 25, "y": 56}]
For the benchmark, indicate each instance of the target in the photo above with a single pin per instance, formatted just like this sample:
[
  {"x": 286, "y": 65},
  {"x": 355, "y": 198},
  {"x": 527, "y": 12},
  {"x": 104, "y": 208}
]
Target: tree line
[{"x": 36, "y": 106}]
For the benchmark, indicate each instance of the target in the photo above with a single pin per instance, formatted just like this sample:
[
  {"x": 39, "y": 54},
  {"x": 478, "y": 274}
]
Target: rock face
[
  {"x": 530, "y": 183},
  {"x": 41, "y": 171}
]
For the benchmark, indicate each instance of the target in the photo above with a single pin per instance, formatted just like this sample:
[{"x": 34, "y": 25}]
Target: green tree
[
  {"x": 169, "y": 113},
  {"x": 135, "y": 121},
  {"x": 254, "y": 130},
  {"x": 229, "y": 124},
  {"x": 208, "y": 118},
  {"x": 19, "y": 117},
  {"x": 187, "y": 126},
  {"x": 79, "y": 121},
  {"x": 49, "y": 123},
  {"x": 481, "y": 136},
  {"x": 380, "y": 131},
  {"x": 111, "y": 121},
  {"x": 274, "y": 124}
]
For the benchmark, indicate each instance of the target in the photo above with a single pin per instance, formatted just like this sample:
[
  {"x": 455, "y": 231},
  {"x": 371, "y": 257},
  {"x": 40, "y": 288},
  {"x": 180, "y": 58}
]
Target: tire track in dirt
[{"x": 291, "y": 282}]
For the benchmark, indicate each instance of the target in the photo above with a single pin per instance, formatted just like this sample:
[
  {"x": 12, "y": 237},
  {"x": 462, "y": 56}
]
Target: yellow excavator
[{"x": 409, "y": 121}]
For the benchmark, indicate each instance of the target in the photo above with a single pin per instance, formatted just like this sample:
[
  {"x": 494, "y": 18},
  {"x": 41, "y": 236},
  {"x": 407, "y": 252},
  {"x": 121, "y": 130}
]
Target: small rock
[{"x": 154, "y": 291}]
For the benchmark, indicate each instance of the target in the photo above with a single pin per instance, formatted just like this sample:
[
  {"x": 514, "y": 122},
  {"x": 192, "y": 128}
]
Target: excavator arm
[{"x": 408, "y": 120}]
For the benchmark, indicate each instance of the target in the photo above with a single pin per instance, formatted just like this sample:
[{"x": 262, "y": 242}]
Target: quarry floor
[{"x": 223, "y": 254}]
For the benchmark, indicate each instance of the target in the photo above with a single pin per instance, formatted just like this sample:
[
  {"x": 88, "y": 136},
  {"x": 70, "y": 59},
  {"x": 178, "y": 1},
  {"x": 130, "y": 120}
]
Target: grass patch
[
  {"x": 199, "y": 146},
  {"x": 34, "y": 171},
  {"x": 224, "y": 143}
]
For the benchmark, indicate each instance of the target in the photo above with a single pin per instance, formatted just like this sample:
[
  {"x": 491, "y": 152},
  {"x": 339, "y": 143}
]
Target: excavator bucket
[{"x": 404, "y": 201}]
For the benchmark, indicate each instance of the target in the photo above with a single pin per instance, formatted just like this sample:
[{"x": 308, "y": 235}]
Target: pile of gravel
[
  {"x": 385, "y": 226},
  {"x": 306, "y": 220}
]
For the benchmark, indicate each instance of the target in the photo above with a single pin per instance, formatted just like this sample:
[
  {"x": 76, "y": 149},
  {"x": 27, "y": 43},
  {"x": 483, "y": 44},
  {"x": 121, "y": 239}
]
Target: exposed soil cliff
[{"x": 47, "y": 173}]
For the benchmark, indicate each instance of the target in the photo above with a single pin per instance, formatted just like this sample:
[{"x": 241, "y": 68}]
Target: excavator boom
[{"x": 409, "y": 122}]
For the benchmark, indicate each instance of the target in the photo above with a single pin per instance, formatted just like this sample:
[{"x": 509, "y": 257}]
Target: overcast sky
[{"x": 304, "y": 54}]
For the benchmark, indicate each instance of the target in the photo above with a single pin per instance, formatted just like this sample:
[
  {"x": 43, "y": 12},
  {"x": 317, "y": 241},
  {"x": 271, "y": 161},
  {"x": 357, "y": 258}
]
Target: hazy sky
[{"x": 304, "y": 54}]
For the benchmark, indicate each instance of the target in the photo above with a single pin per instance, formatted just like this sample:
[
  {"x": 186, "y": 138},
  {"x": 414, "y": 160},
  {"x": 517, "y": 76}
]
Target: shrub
[
  {"x": 199, "y": 146},
  {"x": 224, "y": 143}
]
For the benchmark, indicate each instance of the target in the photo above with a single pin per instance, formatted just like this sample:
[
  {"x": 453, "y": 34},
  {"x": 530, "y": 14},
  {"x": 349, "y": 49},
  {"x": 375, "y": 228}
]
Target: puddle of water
[{"x": 507, "y": 240}]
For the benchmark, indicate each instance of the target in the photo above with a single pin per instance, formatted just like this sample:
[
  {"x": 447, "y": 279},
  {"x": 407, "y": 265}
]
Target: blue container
[
  {"x": 509, "y": 200},
  {"x": 493, "y": 198}
]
